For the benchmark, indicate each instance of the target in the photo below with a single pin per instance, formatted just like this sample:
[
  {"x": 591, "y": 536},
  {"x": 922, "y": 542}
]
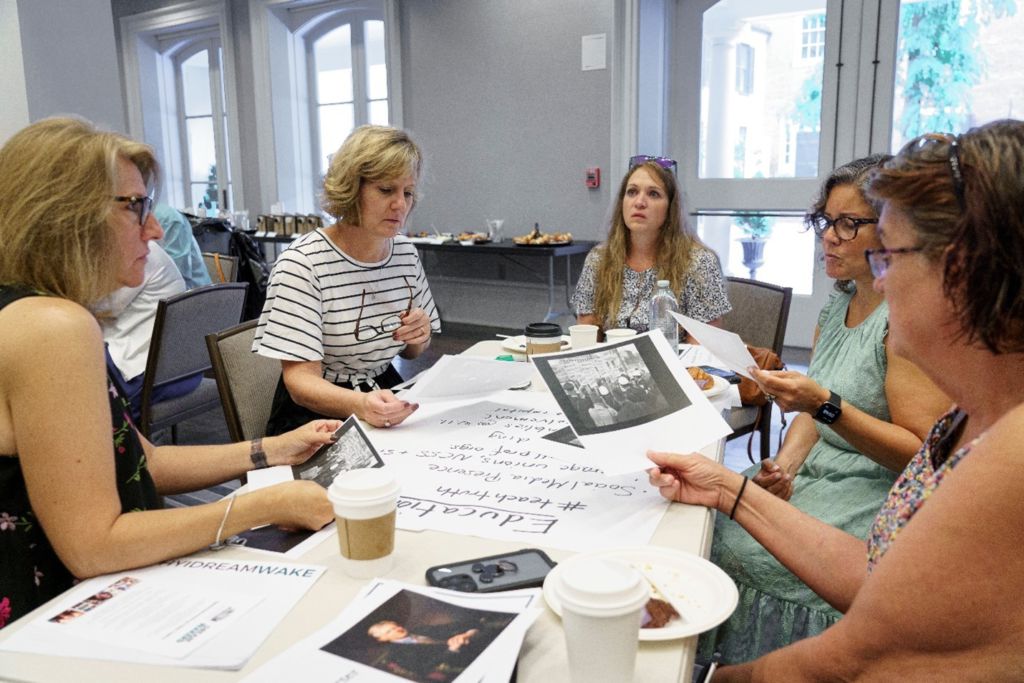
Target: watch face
[{"x": 829, "y": 412}]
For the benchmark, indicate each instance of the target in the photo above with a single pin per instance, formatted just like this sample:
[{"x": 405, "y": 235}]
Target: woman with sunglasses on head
[
  {"x": 932, "y": 594},
  {"x": 344, "y": 300},
  {"x": 79, "y": 487},
  {"x": 863, "y": 413},
  {"x": 648, "y": 240}
]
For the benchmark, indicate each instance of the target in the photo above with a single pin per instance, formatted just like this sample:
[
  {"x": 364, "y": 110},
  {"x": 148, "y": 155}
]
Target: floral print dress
[{"x": 30, "y": 571}]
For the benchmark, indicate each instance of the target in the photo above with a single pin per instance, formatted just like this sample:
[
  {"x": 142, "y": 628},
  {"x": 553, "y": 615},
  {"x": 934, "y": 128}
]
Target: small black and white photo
[
  {"x": 612, "y": 387},
  {"x": 351, "y": 450}
]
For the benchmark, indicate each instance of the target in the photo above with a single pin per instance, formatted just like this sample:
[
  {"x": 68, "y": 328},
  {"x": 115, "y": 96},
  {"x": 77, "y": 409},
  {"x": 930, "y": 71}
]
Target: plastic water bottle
[{"x": 662, "y": 303}]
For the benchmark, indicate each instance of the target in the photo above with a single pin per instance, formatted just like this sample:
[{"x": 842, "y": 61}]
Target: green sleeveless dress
[{"x": 836, "y": 484}]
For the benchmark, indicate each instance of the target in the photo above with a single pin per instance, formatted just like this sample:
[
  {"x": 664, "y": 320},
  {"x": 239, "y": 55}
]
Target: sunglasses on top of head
[{"x": 664, "y": 162}]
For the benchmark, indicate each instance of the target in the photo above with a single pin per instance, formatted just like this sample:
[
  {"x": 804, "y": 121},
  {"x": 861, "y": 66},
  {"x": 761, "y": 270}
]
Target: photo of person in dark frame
[
  {"x": 351, "y": 450},
  {"x": 420, "y": 638},
  {"x": 612, "y": 387}
]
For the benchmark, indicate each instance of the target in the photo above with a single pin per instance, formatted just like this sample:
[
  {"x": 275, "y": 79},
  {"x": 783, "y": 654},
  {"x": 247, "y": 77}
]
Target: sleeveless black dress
[{"x": 30, "y": 571}]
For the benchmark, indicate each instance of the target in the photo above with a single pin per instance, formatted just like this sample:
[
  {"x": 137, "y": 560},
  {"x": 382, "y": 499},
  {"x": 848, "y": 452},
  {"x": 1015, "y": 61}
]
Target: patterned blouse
[
  {"x": 30, "y": 571},
  {"x": 922, "y": 476},
  {"x": 703, "y": 298}
]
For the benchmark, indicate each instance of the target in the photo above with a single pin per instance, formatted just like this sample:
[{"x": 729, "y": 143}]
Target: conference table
[{"x": 542, "y": 658}]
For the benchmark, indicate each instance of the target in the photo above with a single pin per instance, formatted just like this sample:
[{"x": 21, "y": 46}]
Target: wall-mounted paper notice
[{"x": 594, "y": 51}]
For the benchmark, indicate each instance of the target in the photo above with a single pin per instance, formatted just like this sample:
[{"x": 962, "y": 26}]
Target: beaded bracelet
[
  {"x": 736, "y": 503},
  {"x": 217, "y": 543}
]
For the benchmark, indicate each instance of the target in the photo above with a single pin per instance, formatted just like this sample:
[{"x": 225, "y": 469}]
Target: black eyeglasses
[
  {"x": 879, "y": 260},
  {"x": 845, "y": 227},
  {"x": 664, "y": 162},
  {"x": 367, "y": 332},
  {"x": 952, "y": 158},
  {"x": 142, "y": 206}
]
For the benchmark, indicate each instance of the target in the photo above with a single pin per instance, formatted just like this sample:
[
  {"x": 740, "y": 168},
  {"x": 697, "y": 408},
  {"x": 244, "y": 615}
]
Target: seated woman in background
[
  {"x": 931, "y": 595},
  {"x": 79, "y": 486},
  {"x": 836, "y": 466},
  {"x": 648, "y": 241},
  {"x": 344, "y": 300}
]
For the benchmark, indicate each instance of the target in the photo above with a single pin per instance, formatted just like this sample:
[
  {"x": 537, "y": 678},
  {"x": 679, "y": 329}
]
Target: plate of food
[
  {"x": 543, "y": 239},
  {"x": 711, "y": 385},
  {"x": 689, "y": 595},
  {"x": 468, "y": 238},
  {"x": 518, "y": 343}
]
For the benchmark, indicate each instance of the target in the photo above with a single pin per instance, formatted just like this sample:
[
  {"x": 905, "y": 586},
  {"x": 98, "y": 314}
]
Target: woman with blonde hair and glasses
[
  {"x": 344, "y": 300},
  {"x": 932, "y": 594},
  {"x": 79, "y": 487},
  {"x": 648, "y": 240}
]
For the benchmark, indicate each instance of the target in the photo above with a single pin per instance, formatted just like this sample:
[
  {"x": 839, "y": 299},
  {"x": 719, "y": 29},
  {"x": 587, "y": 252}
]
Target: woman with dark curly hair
[
  {"x": 931, "y": 595},
  {"x": 648, "y": 241},
  {"x": 344, "y": 300}
]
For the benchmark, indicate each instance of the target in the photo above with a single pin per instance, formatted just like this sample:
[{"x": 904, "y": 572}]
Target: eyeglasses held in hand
[
  {"x": 845, "y": 227},
  {"x": 664, "y": 162},
  {"x": 952, "y": 158},
  {"x": 368, "y": 332},
  {"x": 879, "y": 260},
  {"x": 142, "y": 206}
]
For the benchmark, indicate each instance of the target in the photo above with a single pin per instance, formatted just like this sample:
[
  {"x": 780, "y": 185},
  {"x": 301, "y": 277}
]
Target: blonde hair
[
  {"x": 676, "y": 244},
  {"x": 57, "y": 177},
  {"x": 371, "y": 154}
]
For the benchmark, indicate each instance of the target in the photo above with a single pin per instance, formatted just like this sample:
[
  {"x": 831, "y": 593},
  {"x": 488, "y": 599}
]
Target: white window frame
[
  {"x": 149, "y": 41},
  {"x": 282, "y": 65}
]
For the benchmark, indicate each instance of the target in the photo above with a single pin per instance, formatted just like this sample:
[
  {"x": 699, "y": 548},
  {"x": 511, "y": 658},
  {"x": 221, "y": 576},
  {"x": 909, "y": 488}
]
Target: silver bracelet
[
  {"x": 219, "y": 544},
  {"x": 257, "y": 454}
]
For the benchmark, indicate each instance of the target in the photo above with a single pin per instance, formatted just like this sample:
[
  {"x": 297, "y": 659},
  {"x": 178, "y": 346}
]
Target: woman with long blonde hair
[{"x": 649, "y": 240}]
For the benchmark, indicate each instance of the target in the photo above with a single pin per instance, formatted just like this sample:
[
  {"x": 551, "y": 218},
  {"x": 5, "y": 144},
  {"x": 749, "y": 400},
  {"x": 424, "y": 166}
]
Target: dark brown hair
[{"x": 980, "y": 242}]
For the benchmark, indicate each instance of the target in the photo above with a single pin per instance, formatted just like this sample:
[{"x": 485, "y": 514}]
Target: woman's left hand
[
  {"x": 295, "y": 447},
  {"x": 792, "y": 391},
  {"x": 415, "y": 327}
]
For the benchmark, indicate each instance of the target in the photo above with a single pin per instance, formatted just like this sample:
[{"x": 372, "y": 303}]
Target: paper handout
[
  {"x": 725, "y": 345},
  {"x": 460, "y": 377}
]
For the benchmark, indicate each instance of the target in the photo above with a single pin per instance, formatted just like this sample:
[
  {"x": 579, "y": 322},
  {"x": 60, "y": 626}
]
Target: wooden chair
[
  {"x": 222, "y": 268},
  {"x": 178, "y": 350},
  {"x": 759, "y": 315},
  {"x": 246, "y": 381}
]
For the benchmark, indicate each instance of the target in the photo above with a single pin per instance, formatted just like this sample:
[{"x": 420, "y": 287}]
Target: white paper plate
[
  {"x": 518, "y": 343},
  {"x": 704, "y": 595},
  {"x": 721, "y": 384}
]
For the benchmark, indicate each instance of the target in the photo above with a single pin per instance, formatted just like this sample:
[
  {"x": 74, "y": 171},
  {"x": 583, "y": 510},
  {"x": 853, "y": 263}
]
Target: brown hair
[
  {"x": 980, "y": 242},
  {"x": 370, "y": 153},
  {"x": 676, "y": 242},
  {"x": 856, "y": 174},
  {"x": 57, "y": 177}
]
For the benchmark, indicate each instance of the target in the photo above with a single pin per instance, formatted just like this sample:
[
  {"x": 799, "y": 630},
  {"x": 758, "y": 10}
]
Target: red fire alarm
[{"x": 593, "y": 178}]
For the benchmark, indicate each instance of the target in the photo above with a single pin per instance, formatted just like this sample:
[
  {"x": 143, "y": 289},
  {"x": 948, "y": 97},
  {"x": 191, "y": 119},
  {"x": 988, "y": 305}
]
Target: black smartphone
[
  {"x": 728, "y": 375},
  {"x": 524, "y": 568}
]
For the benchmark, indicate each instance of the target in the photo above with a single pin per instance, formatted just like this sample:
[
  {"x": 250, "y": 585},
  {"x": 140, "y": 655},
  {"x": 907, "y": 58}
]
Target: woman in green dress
[{"x": 863, "y": 413}]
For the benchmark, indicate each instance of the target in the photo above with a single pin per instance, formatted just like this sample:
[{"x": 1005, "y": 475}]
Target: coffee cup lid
[
  {"x": 597, "y": 585},
  {"x": 543, "y": 330},
  {"x": 368, "y": 484}
]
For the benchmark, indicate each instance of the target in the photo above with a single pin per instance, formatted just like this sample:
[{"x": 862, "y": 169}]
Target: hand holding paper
[{"x": 726, "y": 345}]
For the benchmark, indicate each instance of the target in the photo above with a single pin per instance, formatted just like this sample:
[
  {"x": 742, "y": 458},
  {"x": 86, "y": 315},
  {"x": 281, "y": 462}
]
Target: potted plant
[{"x": 756, "y": 228}]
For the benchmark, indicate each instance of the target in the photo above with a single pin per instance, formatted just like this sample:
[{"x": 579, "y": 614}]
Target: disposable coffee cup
[
  {"x": 364, "y": 503},
  {"x": 618, "y": 334},
  {"x": 602, "y": 603},
  {"x": 583, "y": 336},
  {"x": 543, "y": 338}
]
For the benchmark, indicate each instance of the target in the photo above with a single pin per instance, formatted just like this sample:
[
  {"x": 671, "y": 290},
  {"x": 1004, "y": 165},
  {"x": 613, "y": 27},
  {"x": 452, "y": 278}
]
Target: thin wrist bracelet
[
  {"x": 257, "y": 454},
  {"x": 736, "y": 503},
  {"x": 217, "y": 543}
]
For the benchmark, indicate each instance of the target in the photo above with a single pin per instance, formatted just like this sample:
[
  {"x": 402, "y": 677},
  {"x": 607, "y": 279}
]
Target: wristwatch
[{"x": 830, "y": 410}]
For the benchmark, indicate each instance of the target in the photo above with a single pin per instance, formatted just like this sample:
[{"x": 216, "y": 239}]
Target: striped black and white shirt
[{"x": 318, "y": 294}]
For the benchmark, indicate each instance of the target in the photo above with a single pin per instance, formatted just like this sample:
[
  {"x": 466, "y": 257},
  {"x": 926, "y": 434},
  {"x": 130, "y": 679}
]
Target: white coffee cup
[
  {"x": 364, "y": 503},
  {"x": 618, "y": 334},
  {"x": 602, "y": 602},
  {"x": 582, "y": 336}
]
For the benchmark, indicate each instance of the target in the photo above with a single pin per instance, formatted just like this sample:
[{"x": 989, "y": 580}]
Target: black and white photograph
[
  {"x": 351, "y": 450},
  {"x": 420, "y": 638},
  {"x": 607, "y": 388}
]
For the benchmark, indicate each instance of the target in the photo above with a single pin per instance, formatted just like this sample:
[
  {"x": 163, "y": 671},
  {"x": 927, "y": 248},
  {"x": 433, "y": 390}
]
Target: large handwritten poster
[{"x": 485, "y": 469}]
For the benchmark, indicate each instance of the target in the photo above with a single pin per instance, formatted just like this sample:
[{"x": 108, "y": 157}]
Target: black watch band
[{"x": 830, "y": 410}]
